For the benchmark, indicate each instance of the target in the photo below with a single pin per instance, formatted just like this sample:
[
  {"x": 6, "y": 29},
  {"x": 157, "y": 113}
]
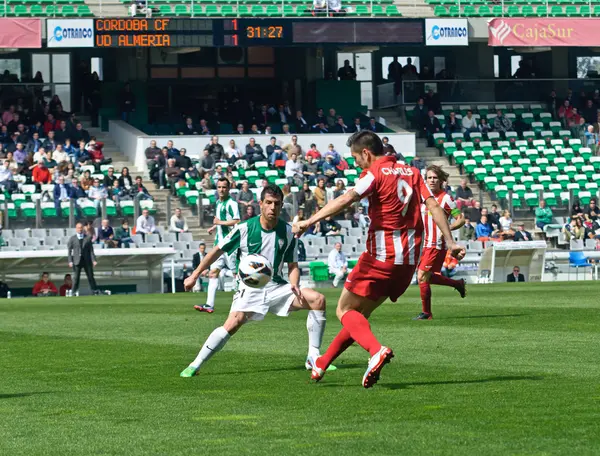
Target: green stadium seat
[
  {"x": 20, "y": 11},
  {"x": 454, "y": 11},
  {"x": 556, "y": 11},
  {"x": 440, "y": 11},
  {"x": 596, "y": 11},
  {"x": 165, "y": 10},
  {"x": 392, "y": 11},
  {"x": 360, "y": 10},
  {"x": 181, "y": 10},
  {"x": 527, "y": 11},
  {"x": 243, "y": 11},
  {"x": 84, "y": 11},
  {"x": 469, "y": 11},
  {"x": 301, "y": 10},
  {"x": 257, "y": 11},
  {"x": 196, "y": 11},
  {"x": 288, "y": 10},
  {"x": 497, "y": 11},
  {"x": 541, "y": 11},
  {"x": 571, "y": 11},
  {"x": 484, "y": 11},
  {"x": 272, "y": 11},
  {"x": 513, "y": 11}
]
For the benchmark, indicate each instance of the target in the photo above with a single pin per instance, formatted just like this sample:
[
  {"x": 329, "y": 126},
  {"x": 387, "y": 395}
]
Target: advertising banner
[
  {"x": 534, "y": 32},
  {"x": 70, "y": 33},
  {"x": 446, "y": 32},
  {"x": 20, "y": 33}
]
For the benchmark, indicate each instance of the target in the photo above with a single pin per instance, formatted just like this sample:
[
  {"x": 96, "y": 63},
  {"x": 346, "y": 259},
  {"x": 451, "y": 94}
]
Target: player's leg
[
  {"x": 458, "y": 285},
  {"x": 213, "y": 285},
  {"x": 314, "y": 302},
  {"x": 424, "y": 278},
  {"x": 216, "y": 341}
]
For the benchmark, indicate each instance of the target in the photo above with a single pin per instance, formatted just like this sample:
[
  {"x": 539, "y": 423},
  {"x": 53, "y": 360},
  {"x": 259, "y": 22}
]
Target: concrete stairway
[{"x": 107, "y": 8}]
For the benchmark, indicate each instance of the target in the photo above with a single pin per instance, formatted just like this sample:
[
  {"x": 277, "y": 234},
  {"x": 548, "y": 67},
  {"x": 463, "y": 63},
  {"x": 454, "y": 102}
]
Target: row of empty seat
[
  {"x": 45, "y": 11},
  {"x": 516, "y": 11}
]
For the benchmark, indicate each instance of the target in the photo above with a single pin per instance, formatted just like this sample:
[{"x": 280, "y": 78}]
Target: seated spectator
[
  {"x": 293, "y": 146},
  {"x": 139, "y": 191},
  {"x": 94, "y": 150},
  {"x": 185, "y": 164},
  {"x": 294, "y": 171},
  {"x": 34, "y": 144},
  {"x": 340, "y": 189},
  {"x": 285, "y": 129},
  {"x": 340, "y": 126},
  {"x": 80, "y": 134},
  {"x": 207, "y": 164},
  {"x": 432, "y": 126},
  {"x": 330, "y": 227},
  {"x": 152, "y": 152},
  {"x": 301, "y": 124},
  {"x": 39, "y": 155},
  {"x": 418, "y": 163},
  {"x": 86, "y": 180},
  {"x": 216, "y": 150},
  {"x": 145, "y": 224},
  {"x": 254, "y": 152},
  {"x": 233, "y": 153},
  {"x": 105, "y": 235},
  {"x": 172, "y": 173},
  {"x": 62, "y": 193},
  {"x": 206, "y": 183},
  {"x": 276, "y": 155},
  {"x": 50, "y": 124},
  {"x": 310, "y": 169},
  {"x": 254, "y": 130},
  {"x": 484, "y": 230},
  {"x": 110, "y": 179},
  {"x": 321, "y": 128},
  {"x": 484, "y": 127},
  {"x": 543, "y": 215},
  {"x": 41, "y": 174},
  {"x": 204, "y": 130},
  {"x": 62, "y": 133},
  {"x": 361, "y": 218},
  {"x": 337, "y": 263},
  {"x": 331, "y": 152},
  {"x": 12, "y": 164},
  {"x": 452, "y": 125},
  {"x": 467, "y": 231},
  {"x": 248, "y": 213},
  {"x": 59, "y": 155},
  {"x": 592, "y": 213},
  {"x": 49, "y": 161},
  {"x": 81, "y": 155},
  {"x": 464, "y": 195},
  {"x": 97, "y": 193},
  {"x": 329, "y": 170},
  {"x": 188, "y": 128},
  {"x": 314, "y": 153},
  {"x": 516, "y": 275},
  {"x": 66, "y": 286},
  {"x": 372, "y": 126},
  {"x": 574, "y": 230},
  {"x": 69, "y": 149},
  {"x": 493, "y": 216},
  {"x": 123, "y": 235},
  {"x": 320, "y": 193},
  {"x": 565, "y": 112},
  {"x": 522, "y": 234},
  {"x": 44, "y": 287},
  {"x": 178, "y": 224},
  {"x": 469, "y": 125},
  {"x": 502, "y": 124},
  {"x": 172, "y": 152},
  {"x": 240, "y": 130},
  {"x": 505, "y": 226},
  {"x": 389, "y": 150}
]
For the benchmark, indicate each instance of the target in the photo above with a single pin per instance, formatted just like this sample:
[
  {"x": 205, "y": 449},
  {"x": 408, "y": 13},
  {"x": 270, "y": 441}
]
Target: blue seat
[{"x": 578, "y": 260}]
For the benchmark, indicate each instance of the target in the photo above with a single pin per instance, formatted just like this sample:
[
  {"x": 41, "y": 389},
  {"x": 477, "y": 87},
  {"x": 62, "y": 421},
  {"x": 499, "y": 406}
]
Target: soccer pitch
[{"x": 512, "y": 369}]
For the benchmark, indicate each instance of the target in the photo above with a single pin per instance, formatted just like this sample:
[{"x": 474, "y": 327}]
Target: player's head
[
  {"x": 223, "y": 188},
  {"x": 45, "y": 277},
  {"x": 366, "y": 147},
  {"x": 338, "y": 246},
  {"x": 271, "y": 202},
  {"x": 435, "y": 177}
]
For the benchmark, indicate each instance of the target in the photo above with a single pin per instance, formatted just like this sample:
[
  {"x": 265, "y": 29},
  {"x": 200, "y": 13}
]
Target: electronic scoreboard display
[{"x": 171, "y": 32}]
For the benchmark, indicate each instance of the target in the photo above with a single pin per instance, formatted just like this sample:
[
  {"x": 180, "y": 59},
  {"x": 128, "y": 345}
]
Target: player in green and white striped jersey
[
  {"x": 227, "y": 215},
  {"x": 271, "y": 237}
]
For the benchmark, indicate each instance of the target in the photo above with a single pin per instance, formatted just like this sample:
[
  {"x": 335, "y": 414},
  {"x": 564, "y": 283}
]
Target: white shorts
[
  {"x": 225, "y": 262},
  {"x": 273, "y": 298}
]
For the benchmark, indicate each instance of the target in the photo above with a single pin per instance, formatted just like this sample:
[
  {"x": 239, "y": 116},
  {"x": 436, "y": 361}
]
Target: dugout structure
[{"x": 499, "y": 258}]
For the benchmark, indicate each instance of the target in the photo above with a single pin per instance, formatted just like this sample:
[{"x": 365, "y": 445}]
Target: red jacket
[
  {"x": 41, "y": 175},
  {"x": 49, "y": 126},
  {"x": 63, "y": 289},
  {"x": 39, "y": 286},
  {"x": 95, "y": 152}
]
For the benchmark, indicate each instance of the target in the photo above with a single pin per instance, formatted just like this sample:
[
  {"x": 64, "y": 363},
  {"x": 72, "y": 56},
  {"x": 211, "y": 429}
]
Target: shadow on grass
[
  {"x": 14, "y": 395},
  {"x": 509, "y": 378},
  {"x": 285, "y": 369},
  {"x": 485, "y": 316}
]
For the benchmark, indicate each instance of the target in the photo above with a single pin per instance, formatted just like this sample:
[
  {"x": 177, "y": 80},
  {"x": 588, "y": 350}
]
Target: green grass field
[{"x": 510, "y": 370}]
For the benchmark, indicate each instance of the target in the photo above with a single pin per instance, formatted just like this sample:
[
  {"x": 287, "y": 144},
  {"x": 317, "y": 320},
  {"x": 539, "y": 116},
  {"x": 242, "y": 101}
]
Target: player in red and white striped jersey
[
  {"x": 435, "y": 246},
  {"x": 385, "y": 269}
]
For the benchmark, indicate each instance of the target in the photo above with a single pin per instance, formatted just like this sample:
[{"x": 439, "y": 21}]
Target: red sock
[
  {"x": 360, "y": 330},
  {"x": 439, "y": 279},
  {"x": 425, "y": 289},
  {"x": 338, "y": 346}
]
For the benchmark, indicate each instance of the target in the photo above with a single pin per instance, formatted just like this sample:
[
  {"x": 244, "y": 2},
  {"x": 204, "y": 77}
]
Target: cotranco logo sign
[
  {"x": 438, "y": 32},
  {"x": 76, "y": 33}
]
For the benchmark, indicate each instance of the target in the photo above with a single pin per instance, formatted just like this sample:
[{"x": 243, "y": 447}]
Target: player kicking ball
[
  {"x": 386, "y": 268},
  {"x": 272, "y": 238},
  {"x": 434, "y": 249},
  {"x": 227, "y": 215}
]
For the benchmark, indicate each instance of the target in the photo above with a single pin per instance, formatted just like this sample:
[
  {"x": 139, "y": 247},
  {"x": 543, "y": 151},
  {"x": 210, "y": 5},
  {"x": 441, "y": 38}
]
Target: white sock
[
  {"x": 213, "y": 284},
  {"x": 215, "y": 342},
  {"x": 339, "y": 276},
  {"x": 315, "y": 324}
]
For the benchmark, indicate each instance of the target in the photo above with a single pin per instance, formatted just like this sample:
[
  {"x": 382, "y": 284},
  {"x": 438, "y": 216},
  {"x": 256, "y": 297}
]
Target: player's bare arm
[
  {"x": 459, "y": 221},
  {"x": 441, "y": 220},
  {"x": 209, "y": 259},
  {"x": 216, "y": 221},
  {"x": 333, "y": 207}
]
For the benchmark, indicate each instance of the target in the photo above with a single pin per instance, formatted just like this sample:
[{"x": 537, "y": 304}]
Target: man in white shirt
[
  {"x": 178, "y": 224},
  {"x": 59, "y": 155},
  {"x": 338, "y": 264},
  {"x": 469, "y": 124},
  {"x": 39, "y": 155},
  {"x": 97, "y": 193},
  {"x": 145, "y": 224},
  {"x": 294, "y": 171}
]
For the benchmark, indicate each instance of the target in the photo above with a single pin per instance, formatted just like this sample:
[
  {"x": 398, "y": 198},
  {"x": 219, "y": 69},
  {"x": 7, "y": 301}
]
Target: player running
[
  {"x": 434, "y": 251},
  {"x": 271, "y": 237},
  {"x": 387, "y": 266},
  {"x": 227, "y": 215}
]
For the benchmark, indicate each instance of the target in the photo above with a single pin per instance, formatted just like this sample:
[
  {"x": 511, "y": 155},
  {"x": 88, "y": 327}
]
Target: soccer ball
[{"x": 255, "y": 271}]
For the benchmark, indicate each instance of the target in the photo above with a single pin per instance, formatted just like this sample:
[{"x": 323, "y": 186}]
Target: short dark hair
[
  {"x": 124, "y": 221},
  {"x": 366, "y": 139},
  {"x": 67, "y": 275},
  {"x": 224, "y": 179},
  {"x": 45, "y": 273},
  {"x": 273, "y": 190}
]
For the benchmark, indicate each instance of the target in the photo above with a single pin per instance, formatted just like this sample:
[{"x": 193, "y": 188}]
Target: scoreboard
[{"x": 165, "y": 32}]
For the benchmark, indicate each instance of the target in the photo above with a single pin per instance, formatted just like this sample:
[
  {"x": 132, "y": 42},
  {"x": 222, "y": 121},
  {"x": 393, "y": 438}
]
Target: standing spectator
[
  {"x": 216, "y": 150},
  {"x": 591, "y": 139},
  {"x": 293, "y": 171},
  {"x": 543, "y": 215},
  {"x": 565, "y": 112},
  {"x": 338, "y": 264},
  {"x": 469, "y": 125},
  {"x": 178, "y": 224},
  {"x": 145, "y": 224},
  {"x": 467, "y": 231},
  {"x": 81, "y": 256},
  {"x": 106, "y": 235},
  {"x": 420, "y": 115},
  {"x": 66, "y": 286},
  {"x": 502, "y": 124},
  {"x": 127, "y": 103},
  {"x": 409, "y": 69},
  {"x": 346, "y": 73},
  {"x": 254, "y": 152},
  {"x": 516, "y": 275},
  {"x": 123, "y": 234},
  {"x": 44, "y": 287},
  {"x": 522, "y": 234},
  {"x": 464, "y": 195}
]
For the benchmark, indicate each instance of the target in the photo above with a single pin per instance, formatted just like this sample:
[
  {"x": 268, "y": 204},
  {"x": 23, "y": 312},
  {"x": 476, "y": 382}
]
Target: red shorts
[
  {"x": 373, "y": 279},
  {"x": 432, "y": 260}
]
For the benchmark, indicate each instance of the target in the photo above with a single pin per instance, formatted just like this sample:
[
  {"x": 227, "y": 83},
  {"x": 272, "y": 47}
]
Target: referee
[{"x": 81, "y": 256}]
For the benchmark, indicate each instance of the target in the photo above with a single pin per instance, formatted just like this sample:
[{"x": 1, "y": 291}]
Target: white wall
[{"x": 129, "y": 141}]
